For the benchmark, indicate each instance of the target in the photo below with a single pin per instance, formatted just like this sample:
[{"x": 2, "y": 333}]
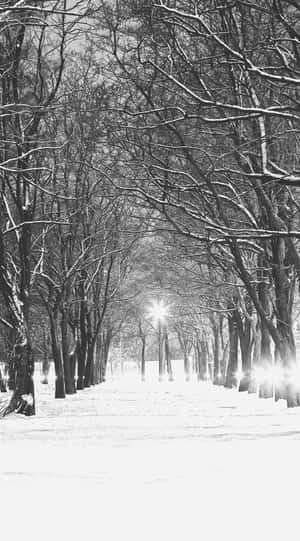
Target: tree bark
[
  {"x": 216, "y": 353},
  {"x": 202, "y": 360},
  {"x": 45, "y": 361},
  {"x": 167, "y": 356},
  {"x": 244, "y": 333},
  {"x": 69, "y": 387},
  {"x": 231, "y": 379},
  {"x": 82, "y": 350},
  {"x": 161, "y": 364},
  {"x": 184, "y": 349},
  {"x": 143, "y": 350},
  {"x": 23, "y": 398},
  {"x": 90, "y": 352},
  {"x": 56, "y": 353},
  {"x": 2, "y": 383}
]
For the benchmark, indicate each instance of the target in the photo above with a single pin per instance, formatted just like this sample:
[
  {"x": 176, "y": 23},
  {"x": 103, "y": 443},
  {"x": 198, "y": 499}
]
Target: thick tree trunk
[
  {"x": 94, "y": 380},
  {"x": 202, "y": 360},
  {"x": 143, "y": 350},
  {"x": 72, "y": 361},
  {"x": 58, "y": 365},
  {"x": 265, "y": 387},
  {"x": 161, "y": 364},
  {"x": 81, "y": 360},
  {"x": 96, "y": 365},
  {"x": 284, "y": 301},
  {"x": 256, "y": 339},
  {"x": 2, "y": 383},
  {"x": 23, "y": 398},
  {"x": 167, "y": 356},
  {"x": 82, "y": 350},
  {"x": 216, "y": 354},
  {"x": 10, "y": 341},
  {"x": 231, "y": 379},
  {"x": 196, "y": 347},
  {"x": 105, "y": 345},
  {"x": 244, "y": 332},
  {"x": 186, "y": 365},
  {"x": 45, "y": 361},
  {"x": 97, "y": 360},
  {"x": 183, "y": 344},
  {"x": 11, "y": 372},
  {"x": 143, "y": 358},
  {"x": 45, "y": 368},
  {"x": 69, "y": 387},
  {"x": 91, "y": 341}
]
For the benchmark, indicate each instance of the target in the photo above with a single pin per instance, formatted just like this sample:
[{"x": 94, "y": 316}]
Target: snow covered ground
[{"x": 129, "y": 460}]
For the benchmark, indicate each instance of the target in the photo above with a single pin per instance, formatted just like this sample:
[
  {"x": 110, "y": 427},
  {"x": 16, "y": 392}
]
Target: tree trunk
[
  {"x": 231, "y": 379},
  {"x": 96, "y": 365},
  {"x": 161, "y": 364},
  {"x": 143, "y": 358},
  {"x": 72, "y": 361},
  {"x": 265, "y": 387},
  {"x": 186, "y": 365},
  {"x": 2, "y": 383},
  {"x": 82, "y": 350},
  {"x": 216, "y": 353},
  {"x": 196, "y": 347},
  {"x": 183, "y": 344},
  {"x": 143, "y": 350},
  {"x": 284, "y": 290},
  {"x": 11, "y": 339},
  {"x": 58, "y": 365},
  {"x": 23, "y": 399},
  {"x": 45, "y": 362},
  {"x": 45, "y": 368},
  {"x": 167, "y": 356},
  {"x": 97, "y": 360},
  {"x": 90, "y": 353},
  {"x": 244, "y": 332},
  {"x": 69, "y": 387},
  {"x": 11, "y": 372},
  {"x": 203, "y": 360},
  {"x": 256, "y": 339},
  {"x": 105, "y": 345}
]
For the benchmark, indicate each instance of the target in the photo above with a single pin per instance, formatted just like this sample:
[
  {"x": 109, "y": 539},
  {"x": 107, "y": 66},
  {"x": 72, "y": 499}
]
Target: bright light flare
[
  {"x": 259, "y": 374},
  {"x": 293, "y": 375},
  {"x": 158, "y": 311},
  {"x": 273, "y": 374},
  {"x": 239, "y": 374}
]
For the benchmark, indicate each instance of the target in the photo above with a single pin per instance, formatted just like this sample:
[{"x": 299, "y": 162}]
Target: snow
[{"x": 150, "y": 461}]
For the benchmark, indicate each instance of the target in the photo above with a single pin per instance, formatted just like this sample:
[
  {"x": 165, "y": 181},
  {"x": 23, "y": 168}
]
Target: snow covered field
[{"x": 129, "y": 460}]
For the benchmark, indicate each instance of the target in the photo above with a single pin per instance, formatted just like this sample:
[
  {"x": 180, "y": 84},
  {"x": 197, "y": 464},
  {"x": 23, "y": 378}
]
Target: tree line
[{"x": 120, "y": 119}]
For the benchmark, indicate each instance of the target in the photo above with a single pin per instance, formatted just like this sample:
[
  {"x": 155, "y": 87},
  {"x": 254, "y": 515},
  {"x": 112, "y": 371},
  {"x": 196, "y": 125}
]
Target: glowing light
[
  {"x": 259, "y": 374},
  {"x": 294, "y": 375},
  {"x": 239, "y": 374},
  {"x": 273, "y": 374},
  {"x": 158, "y": 311}
]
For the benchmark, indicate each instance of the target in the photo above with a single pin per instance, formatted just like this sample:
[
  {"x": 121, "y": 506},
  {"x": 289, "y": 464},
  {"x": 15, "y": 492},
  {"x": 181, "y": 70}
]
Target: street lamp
[{"x": 159, "y": 312}]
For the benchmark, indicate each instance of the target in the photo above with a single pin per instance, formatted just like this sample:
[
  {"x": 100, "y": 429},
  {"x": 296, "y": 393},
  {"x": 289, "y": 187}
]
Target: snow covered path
[{"x": 128, "y": 460}]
